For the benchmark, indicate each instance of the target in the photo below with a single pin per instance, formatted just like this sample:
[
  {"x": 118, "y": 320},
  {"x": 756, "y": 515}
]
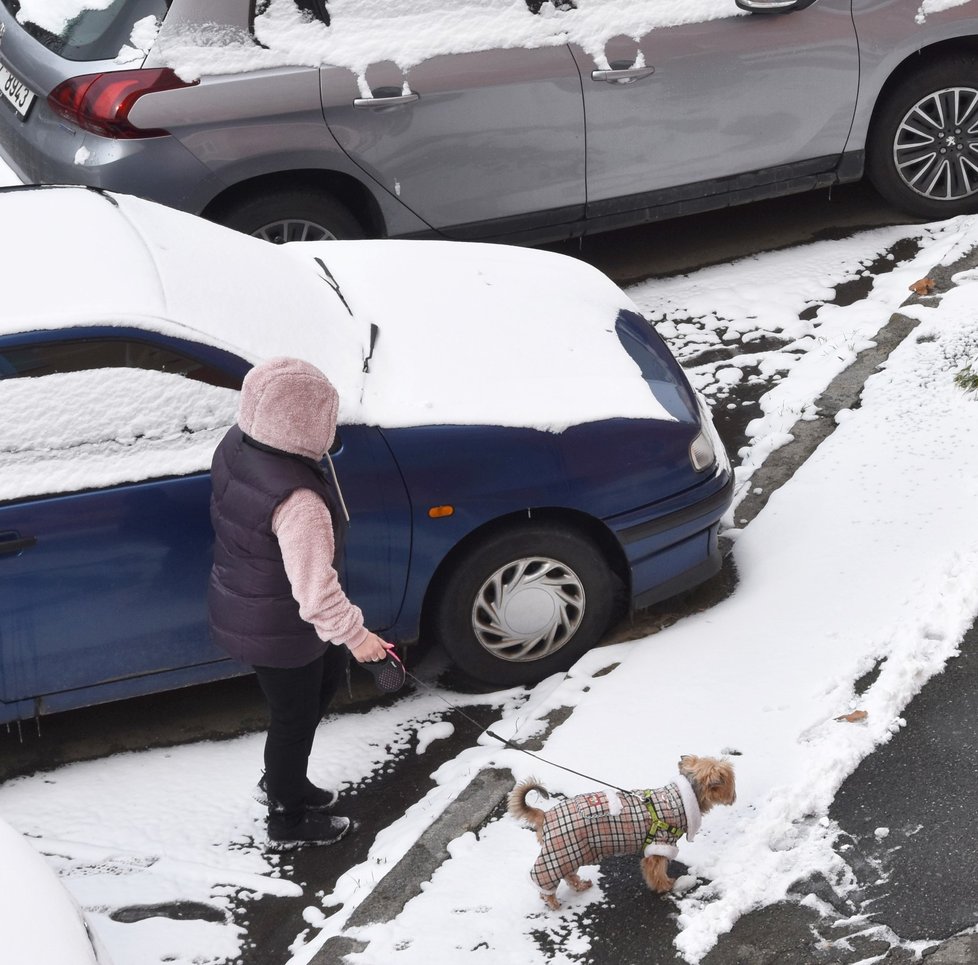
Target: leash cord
[{"x": 509, "y": 743}]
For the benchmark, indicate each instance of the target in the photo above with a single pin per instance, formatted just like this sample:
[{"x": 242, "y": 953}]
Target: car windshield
[
  {"x": 638, "y": 339},
  {"x": 79, "y": 32}
]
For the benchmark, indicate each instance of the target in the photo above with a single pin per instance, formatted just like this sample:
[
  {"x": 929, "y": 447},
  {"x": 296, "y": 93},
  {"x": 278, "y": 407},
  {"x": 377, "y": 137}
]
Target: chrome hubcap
[
  {"x": 528, "y": 609},
  {"x": 936, "y": 146},
  {"x": 293, "y": 229}
]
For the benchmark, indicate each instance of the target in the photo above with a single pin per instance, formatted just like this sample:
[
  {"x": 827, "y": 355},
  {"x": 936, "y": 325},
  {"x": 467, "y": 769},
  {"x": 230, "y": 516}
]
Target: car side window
[
  {"x": 76, "y": 355},
  {"x": 72, "y": 423},
  {"x": 96, "y": 32}
]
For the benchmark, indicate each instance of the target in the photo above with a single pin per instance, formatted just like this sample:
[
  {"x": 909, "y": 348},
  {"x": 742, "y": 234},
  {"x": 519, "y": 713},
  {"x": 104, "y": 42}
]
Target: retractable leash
[
  {"x": 504, "y": 741},
  {"x": 390, "y": 674}
]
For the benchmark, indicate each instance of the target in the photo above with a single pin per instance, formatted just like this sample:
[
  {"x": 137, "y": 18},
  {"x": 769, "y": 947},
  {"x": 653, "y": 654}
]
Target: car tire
[
  {"x": 523, "y": 604},
  {"x": 916, "y": 158},
  {"x": 292, "y": 216}
]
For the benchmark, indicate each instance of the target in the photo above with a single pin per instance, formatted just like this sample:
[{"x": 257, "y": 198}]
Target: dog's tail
[{"x": 519, "y": 809}]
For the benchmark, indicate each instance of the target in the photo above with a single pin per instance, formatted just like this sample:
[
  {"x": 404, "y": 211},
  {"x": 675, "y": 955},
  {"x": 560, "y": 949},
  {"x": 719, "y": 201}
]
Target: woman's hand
[{"x": 372, "y": 649}]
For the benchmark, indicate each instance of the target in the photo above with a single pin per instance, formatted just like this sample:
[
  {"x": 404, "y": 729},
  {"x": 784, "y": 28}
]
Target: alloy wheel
[
  {"x": 293, "y": 229},
  {"x": 936, "y": 145}
]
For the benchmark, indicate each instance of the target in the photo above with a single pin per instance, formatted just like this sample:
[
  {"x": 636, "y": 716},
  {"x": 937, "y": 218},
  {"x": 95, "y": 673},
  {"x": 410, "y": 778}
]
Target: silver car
[{"x": 524, "y": 144}]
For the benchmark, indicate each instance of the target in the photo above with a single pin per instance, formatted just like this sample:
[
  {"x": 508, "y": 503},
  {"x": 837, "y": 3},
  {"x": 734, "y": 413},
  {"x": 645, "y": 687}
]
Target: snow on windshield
[{"x": 82, "y": 430}]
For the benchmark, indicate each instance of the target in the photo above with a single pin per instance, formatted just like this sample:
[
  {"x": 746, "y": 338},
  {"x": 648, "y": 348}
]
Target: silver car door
[
  {"x": 712, "y": 100},
  {"x": 465, "y": 139}
]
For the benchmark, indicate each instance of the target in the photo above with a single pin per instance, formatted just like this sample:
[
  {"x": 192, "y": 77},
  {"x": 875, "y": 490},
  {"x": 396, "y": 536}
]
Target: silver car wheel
[
  {"x": 293, "y": 229},
  {"x": 936, "y": 145},
  {"x": 528, "y": 609}
]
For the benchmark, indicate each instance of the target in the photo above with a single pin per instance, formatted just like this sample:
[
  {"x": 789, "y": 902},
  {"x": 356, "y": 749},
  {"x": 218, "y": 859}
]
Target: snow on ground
[{"x": 865, "y": 557}]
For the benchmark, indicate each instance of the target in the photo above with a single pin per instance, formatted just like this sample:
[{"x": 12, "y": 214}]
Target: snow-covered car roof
[
  {"x": 203, "y": 38},
  {"x": 456, "y": 333},
  {"x": 39, "y": 920}
]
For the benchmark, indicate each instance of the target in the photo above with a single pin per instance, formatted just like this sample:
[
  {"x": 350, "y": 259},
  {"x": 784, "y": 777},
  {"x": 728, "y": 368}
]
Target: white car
[{"x": 40, "y": 923}]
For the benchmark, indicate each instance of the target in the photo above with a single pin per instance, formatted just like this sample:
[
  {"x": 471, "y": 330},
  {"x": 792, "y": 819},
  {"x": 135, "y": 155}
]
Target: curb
[
  {"x": 487, "y": 790},
  {"x": 480, "y": 797},
  {"x": 842, "y": 392}
]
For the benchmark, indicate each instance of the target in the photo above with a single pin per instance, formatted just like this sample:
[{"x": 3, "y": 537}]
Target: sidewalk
[{"x": 779, "y": 933}]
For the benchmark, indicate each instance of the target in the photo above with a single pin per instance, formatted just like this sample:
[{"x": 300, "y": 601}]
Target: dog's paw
[
  {"x": 551, "y": 902},
  {"x": 579, "y": 884}
]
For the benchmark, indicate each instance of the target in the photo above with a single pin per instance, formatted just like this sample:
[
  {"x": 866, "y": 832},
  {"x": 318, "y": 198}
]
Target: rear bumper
[
  {"x": 672, "y": 547},
  {"x": 44, "y": 150}
]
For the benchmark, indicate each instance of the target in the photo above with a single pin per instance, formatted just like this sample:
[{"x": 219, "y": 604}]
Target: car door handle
[
  {"x": 9, "y": 546},
  {"x": 384, "y": 100},
  {"x": 626, "y": 76}
]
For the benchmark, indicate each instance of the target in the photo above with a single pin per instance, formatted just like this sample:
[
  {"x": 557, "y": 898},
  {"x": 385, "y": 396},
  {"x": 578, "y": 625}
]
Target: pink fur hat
[{"x": 289, "y": 404}]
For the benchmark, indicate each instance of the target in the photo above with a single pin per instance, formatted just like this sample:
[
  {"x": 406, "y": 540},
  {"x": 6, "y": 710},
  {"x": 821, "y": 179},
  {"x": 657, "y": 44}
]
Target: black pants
[{"x": 298, "y": 698}]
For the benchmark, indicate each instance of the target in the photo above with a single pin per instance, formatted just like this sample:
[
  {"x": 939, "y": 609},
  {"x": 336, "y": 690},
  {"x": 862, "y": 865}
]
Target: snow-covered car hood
[
  {"x": 39, "y": 920},
  {"x": 410, "y": 332}
]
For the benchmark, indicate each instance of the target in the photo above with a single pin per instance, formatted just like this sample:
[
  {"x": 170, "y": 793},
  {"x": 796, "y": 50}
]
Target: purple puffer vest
[{"x": 253, "y": 615}]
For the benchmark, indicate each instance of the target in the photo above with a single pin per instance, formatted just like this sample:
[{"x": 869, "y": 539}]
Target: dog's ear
[{"x": 721, "y": 783}]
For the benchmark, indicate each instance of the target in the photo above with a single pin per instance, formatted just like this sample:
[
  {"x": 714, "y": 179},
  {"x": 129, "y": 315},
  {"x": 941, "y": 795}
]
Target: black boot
[
  {"x": 314, "y": 799},
  {"x": 312, "y": 828}
]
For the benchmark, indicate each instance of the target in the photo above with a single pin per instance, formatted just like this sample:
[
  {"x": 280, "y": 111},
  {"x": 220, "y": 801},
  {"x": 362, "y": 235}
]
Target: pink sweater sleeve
[{"x": 304, "y": 529}]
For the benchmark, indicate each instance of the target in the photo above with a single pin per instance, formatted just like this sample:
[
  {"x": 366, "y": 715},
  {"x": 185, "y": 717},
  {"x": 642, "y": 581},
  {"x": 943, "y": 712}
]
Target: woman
[{"x": 275, "y": 598}]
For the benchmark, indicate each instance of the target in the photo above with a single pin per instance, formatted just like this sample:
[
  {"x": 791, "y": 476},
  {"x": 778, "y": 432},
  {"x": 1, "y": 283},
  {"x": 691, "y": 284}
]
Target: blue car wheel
[{"x": 525, "y": 603}]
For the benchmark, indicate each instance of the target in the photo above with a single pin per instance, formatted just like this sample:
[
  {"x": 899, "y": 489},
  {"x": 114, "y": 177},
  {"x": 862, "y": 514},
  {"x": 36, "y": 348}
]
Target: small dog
[{"x": 584, "y": 829}]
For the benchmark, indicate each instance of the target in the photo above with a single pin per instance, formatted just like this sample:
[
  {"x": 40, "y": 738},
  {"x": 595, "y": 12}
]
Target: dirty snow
[{"x": 765, "y": 674}]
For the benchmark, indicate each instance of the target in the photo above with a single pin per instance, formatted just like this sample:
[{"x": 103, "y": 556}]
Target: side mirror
[{"x": 773, "y": 6}]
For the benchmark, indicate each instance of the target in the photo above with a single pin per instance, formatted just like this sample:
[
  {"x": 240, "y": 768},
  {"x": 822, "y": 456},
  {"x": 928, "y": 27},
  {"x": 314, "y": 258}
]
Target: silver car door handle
[
  {"x": 626, "y": 76},
  {"x": 376, "y": 103}
]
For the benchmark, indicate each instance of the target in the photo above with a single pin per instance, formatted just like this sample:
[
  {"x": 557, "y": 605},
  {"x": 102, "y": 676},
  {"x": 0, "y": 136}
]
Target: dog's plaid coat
[{"x": 584, "y": 829}]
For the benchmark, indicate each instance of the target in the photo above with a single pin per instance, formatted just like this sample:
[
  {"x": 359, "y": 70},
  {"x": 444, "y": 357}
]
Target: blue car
[{"x": 518, "y": 449}]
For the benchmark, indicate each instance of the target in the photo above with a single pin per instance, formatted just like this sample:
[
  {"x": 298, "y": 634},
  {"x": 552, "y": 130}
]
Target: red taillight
[{"x": 101, "y": 103}]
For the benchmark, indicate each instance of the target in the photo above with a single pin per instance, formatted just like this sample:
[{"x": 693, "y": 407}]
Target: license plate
[{"x": 15, "y": 92}]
